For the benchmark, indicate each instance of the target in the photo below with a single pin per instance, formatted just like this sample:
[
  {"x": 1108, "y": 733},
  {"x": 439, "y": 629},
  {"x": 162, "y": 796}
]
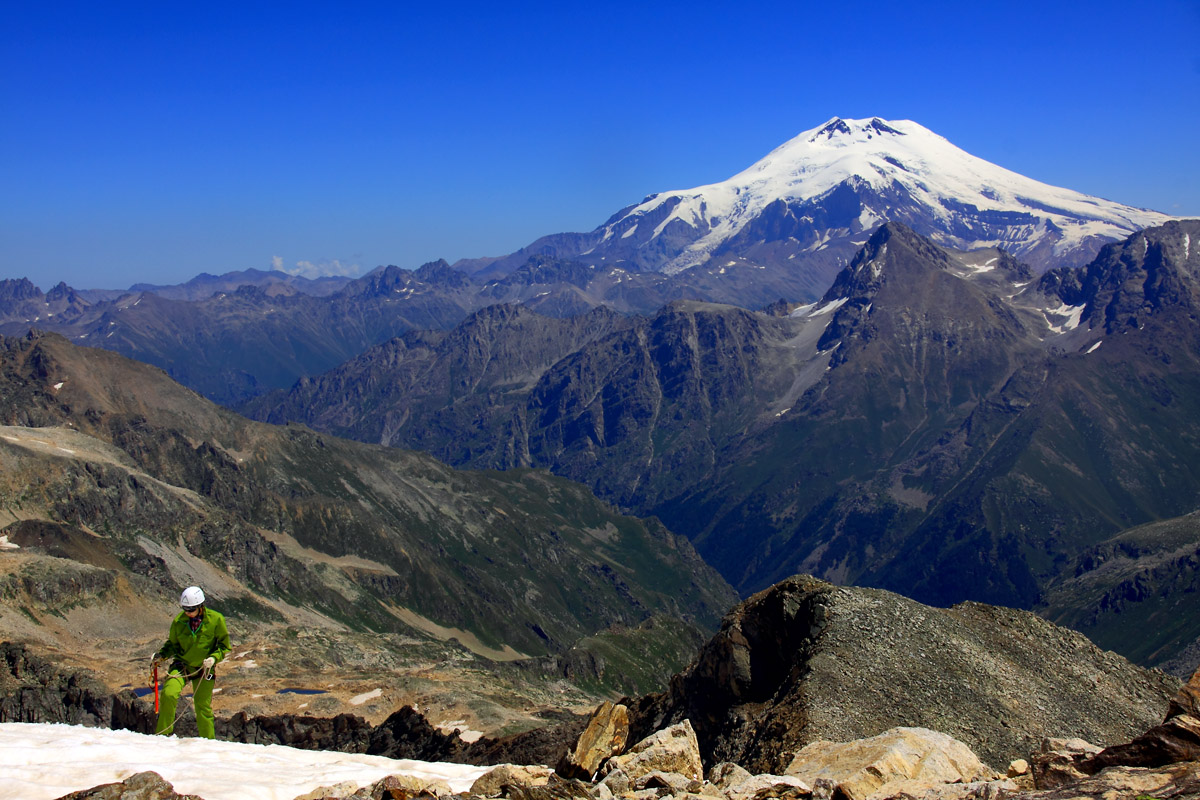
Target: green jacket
[{"x": 211, "y": 639}]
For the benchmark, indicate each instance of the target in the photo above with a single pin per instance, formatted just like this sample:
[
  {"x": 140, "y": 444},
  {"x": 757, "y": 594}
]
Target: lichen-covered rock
[
  {"x": 1177, "y": 739},
  {"x": 142, "y": 786},
  {"x": 338, "y": 790},
  {"x": 1177, "y": 781},
  {"x": 672, "y": 749},
  {"x": 499, "y": 781},
  {"x": 554, "y": 789},
  {"x": 763, "y": 787},
  {"x": 1187, "y": 699},
  {"x": 671, "y": 782},
  {"x": 606, "y": 735},
  {"x": 902, "y": 759},
  {"x": 405, "y": 787},
  {"x": 728, "y": 774},
  {"x": 1057, "y": 762}
]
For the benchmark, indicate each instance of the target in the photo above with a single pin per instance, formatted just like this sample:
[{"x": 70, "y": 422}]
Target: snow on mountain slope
[
  {"x": 895, "y": 170},
  {"x": 44, "y": 761}
]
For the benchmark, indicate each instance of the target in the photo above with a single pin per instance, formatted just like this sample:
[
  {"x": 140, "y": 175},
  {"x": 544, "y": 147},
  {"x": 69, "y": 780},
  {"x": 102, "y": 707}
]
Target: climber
[{"x": 197, "y": 640}]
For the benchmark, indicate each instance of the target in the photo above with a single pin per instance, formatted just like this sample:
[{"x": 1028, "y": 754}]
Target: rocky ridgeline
[{"x": 813, "y": 690}]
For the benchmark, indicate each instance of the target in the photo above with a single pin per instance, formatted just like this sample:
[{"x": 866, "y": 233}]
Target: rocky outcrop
[
  {"x": 606, "y": 735},
  {"x": 504, "y": 778},
  {"x": 806, "y": 661},
  {"x": 34, "y": 690},
  {"x": 1176, "y": 740},
  {"x": 899, "y": 760},
  {"x": 142, "y": 786},
  {"x": 1187, "y": 699},
  {"x": 672, "y": 750}
]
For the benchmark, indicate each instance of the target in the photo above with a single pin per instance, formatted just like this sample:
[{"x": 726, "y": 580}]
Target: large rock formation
[{"x": 806, "y": 661}]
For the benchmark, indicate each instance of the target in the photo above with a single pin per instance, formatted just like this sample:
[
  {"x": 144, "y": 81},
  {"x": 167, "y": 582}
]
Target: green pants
[{"x": 201, "y": 697}]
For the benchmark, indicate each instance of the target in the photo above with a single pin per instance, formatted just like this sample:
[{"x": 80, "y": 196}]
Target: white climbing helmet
[{"x": 192, "y": 596}]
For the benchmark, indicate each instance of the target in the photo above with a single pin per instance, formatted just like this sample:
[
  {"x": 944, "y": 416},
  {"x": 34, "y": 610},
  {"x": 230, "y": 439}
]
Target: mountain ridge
[{"x": 902, "y": 431}]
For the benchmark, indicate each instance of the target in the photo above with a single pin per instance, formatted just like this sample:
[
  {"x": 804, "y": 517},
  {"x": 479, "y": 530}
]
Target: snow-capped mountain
[{"x": 811, "y": 203}]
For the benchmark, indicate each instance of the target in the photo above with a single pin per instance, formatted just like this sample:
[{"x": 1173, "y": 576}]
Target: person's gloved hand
[
  {"x": 208, "y": 665},
  {"x": 155, "y": 660}
]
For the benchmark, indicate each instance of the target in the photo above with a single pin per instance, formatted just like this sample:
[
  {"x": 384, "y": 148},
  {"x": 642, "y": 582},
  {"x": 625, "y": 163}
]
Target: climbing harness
[{"x": 179, "y": 708}]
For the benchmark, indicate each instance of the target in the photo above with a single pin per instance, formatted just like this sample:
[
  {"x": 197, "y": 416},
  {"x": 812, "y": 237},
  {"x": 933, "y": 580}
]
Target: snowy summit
[{"x": 846, "y": 177}]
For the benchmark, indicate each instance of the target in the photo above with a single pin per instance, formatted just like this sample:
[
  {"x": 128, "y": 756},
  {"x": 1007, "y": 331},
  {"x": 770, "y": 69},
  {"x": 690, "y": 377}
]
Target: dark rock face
[
  {"x": 405, "y": 734},
  {"x": 34, "y": 690},
  {"x": 805, "y": 661}
]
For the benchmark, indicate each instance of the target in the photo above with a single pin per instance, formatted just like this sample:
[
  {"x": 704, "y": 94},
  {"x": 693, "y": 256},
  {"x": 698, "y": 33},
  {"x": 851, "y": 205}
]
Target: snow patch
[
  {"x": 829, "y": 307},
  {"x": 986, "y": 266},
  {"x": 1092, "y": 349},
  {"x": 464, "y": 733},
  {"x": 58, "y": 386},
  {"x": 359, "y": 699},
  {"x": 5, "y": 544},
  {"x": 1071, "y": 316}
]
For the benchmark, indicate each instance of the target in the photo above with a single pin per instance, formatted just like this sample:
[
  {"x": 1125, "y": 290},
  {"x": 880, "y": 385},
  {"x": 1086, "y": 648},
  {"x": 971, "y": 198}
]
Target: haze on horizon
[{"x": 153, "y": 143}]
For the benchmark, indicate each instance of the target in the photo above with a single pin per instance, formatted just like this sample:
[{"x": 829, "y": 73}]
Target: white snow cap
[
  {"x": 884, "y": 154},
  {"x": 192, "y": 596}
]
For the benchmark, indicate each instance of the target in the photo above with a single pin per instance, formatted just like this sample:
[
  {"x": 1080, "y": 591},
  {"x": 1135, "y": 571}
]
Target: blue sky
[{"x": 149, "y": 142}]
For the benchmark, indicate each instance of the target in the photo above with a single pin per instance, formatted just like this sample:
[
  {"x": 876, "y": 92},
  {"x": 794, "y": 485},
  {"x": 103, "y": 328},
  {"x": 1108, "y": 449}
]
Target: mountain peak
[
  {"x": 854, "y": 128},
  {"x": 835, "y": 127},
  {"x": 839, "y": 181}
]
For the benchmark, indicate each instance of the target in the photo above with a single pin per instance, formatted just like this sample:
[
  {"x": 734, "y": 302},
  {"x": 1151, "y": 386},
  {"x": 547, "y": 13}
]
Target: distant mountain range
[
  {"x": 944, "y": 425},
  {"x": 780, "y": 230}
]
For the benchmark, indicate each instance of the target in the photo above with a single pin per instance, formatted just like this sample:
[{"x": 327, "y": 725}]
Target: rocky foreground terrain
[{"x": 807, "y": 690}]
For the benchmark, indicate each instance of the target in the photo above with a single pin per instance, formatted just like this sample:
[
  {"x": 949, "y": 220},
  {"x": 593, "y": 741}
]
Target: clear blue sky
[{"x": 154, "y": 141}]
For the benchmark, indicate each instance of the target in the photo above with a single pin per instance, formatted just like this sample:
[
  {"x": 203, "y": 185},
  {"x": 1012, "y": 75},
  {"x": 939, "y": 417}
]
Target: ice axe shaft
[{"x": 156, "y": 687}]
